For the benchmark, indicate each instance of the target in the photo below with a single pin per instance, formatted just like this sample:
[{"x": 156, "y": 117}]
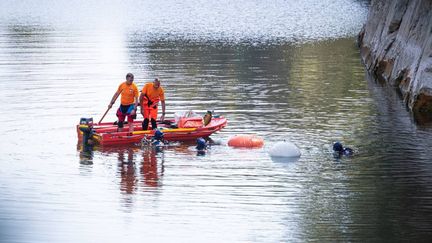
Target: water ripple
[{"x": 54, "y": 70}]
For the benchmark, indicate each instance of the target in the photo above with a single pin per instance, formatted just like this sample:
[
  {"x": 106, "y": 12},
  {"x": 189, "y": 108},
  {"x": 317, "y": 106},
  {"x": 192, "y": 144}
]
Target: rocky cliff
[{"x": 396, "y": 47}]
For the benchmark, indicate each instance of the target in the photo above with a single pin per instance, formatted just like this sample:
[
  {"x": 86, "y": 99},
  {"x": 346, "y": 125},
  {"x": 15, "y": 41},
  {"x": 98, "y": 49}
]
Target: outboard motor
[{"x": 86, "y": 126}]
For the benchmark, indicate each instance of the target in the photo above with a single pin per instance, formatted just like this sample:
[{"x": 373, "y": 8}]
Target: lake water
[{"x": 279, "y": 69}]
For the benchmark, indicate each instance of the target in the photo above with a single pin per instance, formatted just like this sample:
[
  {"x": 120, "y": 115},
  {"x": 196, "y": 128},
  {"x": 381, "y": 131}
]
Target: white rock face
[{"x": 284, "y": 149}]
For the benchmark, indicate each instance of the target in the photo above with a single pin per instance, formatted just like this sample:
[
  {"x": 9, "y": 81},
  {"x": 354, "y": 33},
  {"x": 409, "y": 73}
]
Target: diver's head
[
  {"x": 158, "y": 135},
  {"x": 201, "y": 144},
  {"x": 337, "y": 147}
]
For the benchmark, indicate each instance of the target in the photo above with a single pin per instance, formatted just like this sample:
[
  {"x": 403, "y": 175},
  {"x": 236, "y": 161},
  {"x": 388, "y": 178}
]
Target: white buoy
[{"x": 285, "y": 149}]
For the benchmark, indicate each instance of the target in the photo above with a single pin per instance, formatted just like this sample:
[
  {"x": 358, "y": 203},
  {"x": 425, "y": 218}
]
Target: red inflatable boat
[{"x": 186, "y": 129}]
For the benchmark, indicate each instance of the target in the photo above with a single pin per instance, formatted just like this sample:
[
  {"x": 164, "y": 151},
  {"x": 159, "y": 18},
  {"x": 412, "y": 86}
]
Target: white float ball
[{"x": 284, "y": 149}]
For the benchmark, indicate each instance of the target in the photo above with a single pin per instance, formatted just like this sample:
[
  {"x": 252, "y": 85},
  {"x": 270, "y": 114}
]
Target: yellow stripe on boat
[
  {"x": 142, "y": 132},
  {"x": 167, "y": 130},
  {"x": 96, "y": 137}
]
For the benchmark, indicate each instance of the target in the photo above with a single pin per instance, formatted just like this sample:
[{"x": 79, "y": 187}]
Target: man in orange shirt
[
  {"x": 128, "y": 102},
  {"x": 150, "y": 96}
]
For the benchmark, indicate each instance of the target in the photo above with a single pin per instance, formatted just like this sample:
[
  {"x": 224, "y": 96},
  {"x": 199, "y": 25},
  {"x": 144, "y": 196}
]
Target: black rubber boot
[
  {"x": 153, "y": 122},
  {"x": 145, "y": 124}
]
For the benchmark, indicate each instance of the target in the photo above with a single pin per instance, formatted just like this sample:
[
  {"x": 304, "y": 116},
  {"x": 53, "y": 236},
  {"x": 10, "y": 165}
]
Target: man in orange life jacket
[
  {"x": 128, "y": 102},
  {"x": 150, "y": 96}
]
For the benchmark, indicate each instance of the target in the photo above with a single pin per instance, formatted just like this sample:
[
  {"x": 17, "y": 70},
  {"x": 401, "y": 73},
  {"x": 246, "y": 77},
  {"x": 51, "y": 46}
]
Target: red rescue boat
[{"x": 186, "y": 129}]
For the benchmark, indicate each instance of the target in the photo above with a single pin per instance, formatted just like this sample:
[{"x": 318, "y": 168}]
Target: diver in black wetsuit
[{"x": 340, "y": 150}]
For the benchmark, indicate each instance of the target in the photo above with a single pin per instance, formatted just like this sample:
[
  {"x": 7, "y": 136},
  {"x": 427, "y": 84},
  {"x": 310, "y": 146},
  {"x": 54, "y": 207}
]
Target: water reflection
[
  {"x": 85, "y": 154},
  {"x": 284, "y": 160},
  {"x": 240, "y": 22},
  {"x": 150, "y": 161},
  {"x": 127, "y": 170},
  {"x": 139, "y": 168},
  {"x": 312, "y": 94},
  {"x": 151, "y": 175}
]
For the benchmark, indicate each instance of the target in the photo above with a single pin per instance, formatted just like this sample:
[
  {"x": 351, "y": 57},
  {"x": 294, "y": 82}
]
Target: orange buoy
[{"x": 246, "y": 141}]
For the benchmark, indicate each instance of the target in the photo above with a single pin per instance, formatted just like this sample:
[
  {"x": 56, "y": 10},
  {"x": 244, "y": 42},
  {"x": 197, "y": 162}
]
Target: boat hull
[{"x": 107, "y": 134}]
